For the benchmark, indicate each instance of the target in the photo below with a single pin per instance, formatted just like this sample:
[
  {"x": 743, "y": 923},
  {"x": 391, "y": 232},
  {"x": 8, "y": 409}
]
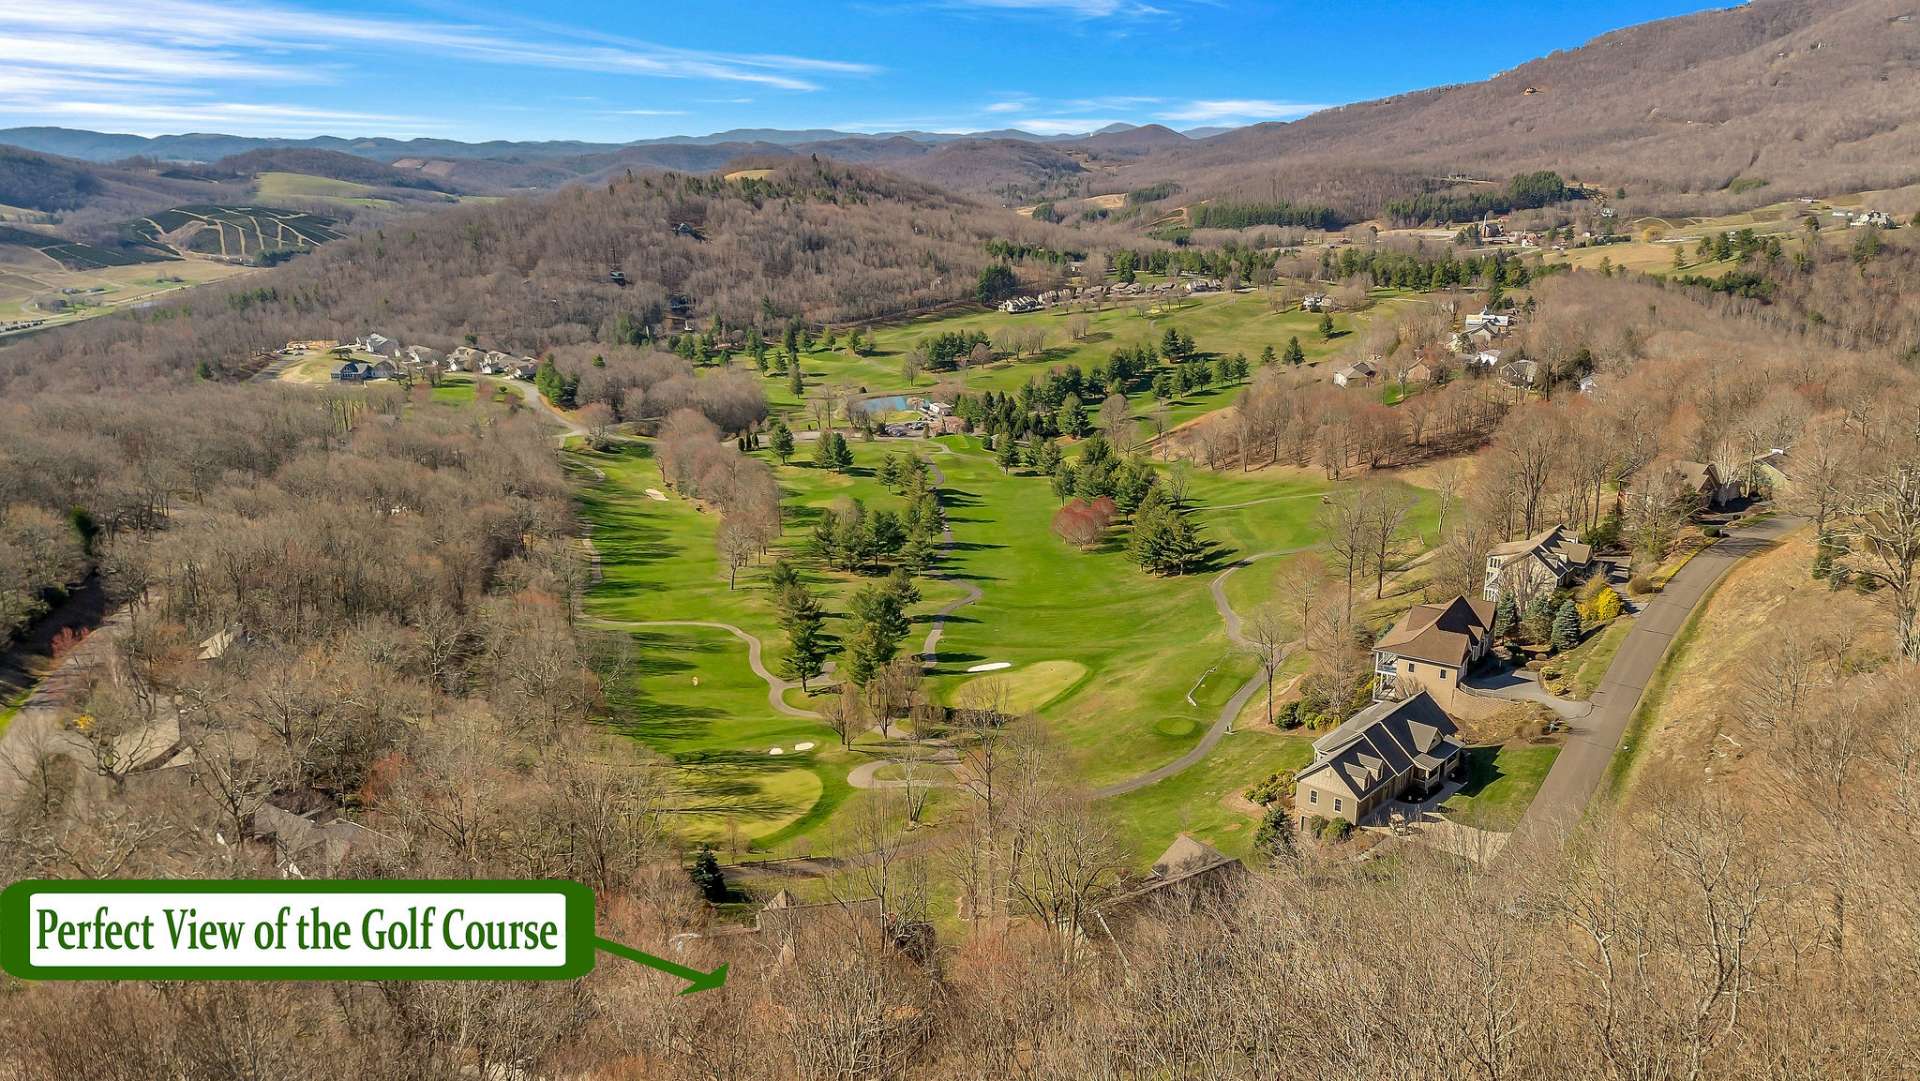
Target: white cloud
[
  {"x": 1006, "y": 107},
  {"x": 1065, "y": 125},
  {"x": 1245, "y": 110},
  {"x": 181, "y": 61}
]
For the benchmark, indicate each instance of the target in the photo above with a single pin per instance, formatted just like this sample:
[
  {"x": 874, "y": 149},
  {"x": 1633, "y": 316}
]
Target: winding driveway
[
  {"x": 1582, "y": 764},
  {"x": 776, "y": 687}
]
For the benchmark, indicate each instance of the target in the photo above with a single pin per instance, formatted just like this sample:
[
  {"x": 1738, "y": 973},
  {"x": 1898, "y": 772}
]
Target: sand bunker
[
  {"x": 776, "y": 750},
  {"x": 991, "y": 666},
  {"x": 803, "y": 746},
  {"x": 655, "y": 493}
]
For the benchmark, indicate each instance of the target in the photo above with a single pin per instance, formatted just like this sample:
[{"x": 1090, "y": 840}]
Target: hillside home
[
  {"x": 1388, "y": 751},
  {"x": 1541, "y": 563},
  {"x": 1316, "y": 302},
  {"x": 1520, "y": 373},
  {"x": 1702, "y": 480},
  {"x": 1485, "y": 319},
  {"x": 424, "y": 355},
  {"x": 379, "y": 345},
  {"x": 1360, "y": 372},
  {"x": 1431, "y": 648},
  {"x": 1419, "y": 372},
  {"x": 352, "y": 372},
  {"x": 1769, "y": 474}
]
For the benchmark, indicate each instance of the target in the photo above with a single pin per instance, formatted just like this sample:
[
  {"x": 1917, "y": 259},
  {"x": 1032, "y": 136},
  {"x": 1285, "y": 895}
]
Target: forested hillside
[{"x": 811, "y": 241}]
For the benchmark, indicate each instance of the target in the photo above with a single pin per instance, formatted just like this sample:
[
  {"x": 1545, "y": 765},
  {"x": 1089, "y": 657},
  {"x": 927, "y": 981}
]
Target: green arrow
[{"x": 697, "y": 980}]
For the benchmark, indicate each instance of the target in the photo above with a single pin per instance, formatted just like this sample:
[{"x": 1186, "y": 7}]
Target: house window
[
  {"x": 1412, "y": 667},
  {"x": 1313, "y": 796},
  {"x": 1336, "y": 804},
  {"x": 1444, "y": 673}
]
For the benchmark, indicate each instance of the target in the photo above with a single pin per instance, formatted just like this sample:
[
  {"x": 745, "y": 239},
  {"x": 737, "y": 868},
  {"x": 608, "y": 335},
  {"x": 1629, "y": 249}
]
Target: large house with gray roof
[
  {"x": 1541, "y": 563},
  {"x": 1388, "y": 751}
]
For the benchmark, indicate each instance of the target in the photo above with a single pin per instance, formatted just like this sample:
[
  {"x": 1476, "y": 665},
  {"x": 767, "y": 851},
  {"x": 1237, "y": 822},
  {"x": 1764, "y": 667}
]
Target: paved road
[
  {"x": 776, "y": 687},
  {"x": 1582, "y": 764}
]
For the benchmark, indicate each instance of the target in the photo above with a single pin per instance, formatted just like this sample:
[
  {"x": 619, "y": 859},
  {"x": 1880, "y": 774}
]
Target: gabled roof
[
  {"x": 1439, "y": 633},
  {"x": 1383, "y": 742},
  {"x": 1698, "y": 476},
  {"x": 1554, "y": 546},
  {"x": 1187, "y": 855}
]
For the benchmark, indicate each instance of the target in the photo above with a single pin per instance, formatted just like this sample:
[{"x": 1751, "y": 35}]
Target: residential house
[
  {"x": 1188, "y": 874},
  {"x": 314, "y": 345},
  {"x": 1388, "y": 751},
  {"x": 464, "y": 359},
  {"x": 1361, "y": 372},
  {"x": 381, "y": 369},
  {"x": 1520, "y": 373},
  {"x": 1419, "y": 372},
  {"x": 1703, "y": 481},
  {"x": 1769, "y": 474},
  {"x": 1484, "y": 358},
  {"x": 352, "y": 371},
  {"x": 495, "y": 363},
  {"x": 378, "y": 344},
  {"x": 421, "y": 355},
  {"x": 1431, "y": 648},
  {"x": 524, "y": 369},
  {"x": 1590, "y": 385},
  {"x": 1316, "y": 302},
  {"x": 1538, "y": 564},
  {"x": 1485, "y": 319}
]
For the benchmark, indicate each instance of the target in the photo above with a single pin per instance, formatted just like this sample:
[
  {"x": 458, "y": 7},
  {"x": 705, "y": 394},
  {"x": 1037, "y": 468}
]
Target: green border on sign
[{"x": 16, "y": 930}]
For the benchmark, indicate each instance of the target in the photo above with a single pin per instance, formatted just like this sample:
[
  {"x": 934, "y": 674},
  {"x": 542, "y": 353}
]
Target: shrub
[
  {"x": 1275, "y": 835},
  {"x": 1288, "y": 715},
  {"x": 1639, "y": 585},
  {"x": 1713, "y": 531},
  {"x": 1334, "y": 829},
  {"x": 1266, "y": 792}
]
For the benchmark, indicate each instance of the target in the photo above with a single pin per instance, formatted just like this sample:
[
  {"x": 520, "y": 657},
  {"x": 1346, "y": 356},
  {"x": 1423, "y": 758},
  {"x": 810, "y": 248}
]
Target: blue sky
[{"x": 612, "y": 71}]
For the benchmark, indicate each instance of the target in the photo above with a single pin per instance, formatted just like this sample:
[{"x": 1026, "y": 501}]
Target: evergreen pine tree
[
  {"x": 782, "y": 442},
  {"x": 707, "y": 876},
  {"x": 1566, "y": 627}
]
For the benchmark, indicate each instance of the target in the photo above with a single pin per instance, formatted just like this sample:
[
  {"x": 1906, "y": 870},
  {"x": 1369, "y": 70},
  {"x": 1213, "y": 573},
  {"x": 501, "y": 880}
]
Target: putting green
[
  {"x": 1176, "y": 726},
  {"x": 1027, "y": 687}
]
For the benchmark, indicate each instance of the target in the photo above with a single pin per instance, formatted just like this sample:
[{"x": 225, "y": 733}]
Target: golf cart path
[{"x": 776, "y": 687}]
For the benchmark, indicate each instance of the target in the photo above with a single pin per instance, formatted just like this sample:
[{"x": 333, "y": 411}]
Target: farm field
[
  {"x": 1220, "y": 324},
  {"x": 1125, "y": 670},
  {"x": 101, "y": 290},
  {"x": 271, "y": 186}
]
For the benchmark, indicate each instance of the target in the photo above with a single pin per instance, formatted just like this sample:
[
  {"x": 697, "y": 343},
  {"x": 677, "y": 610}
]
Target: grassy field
[
  {"x": 1500, "y": 784},
  {"x": 98, "y": 291},
  {"x": 1208, "y": 801},
  {"x": 1220, "y": 324},
  {"x": 1126, "y": 670},
  {"x": 271, "y": 186}
]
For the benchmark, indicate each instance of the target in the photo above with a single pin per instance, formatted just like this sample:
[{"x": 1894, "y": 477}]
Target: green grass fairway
[
  {"x": 1220, "y": 324},
  {"x": 1501, "y": 782},
  {"x": 1029, "y": 688},
  {"x": 1204, "y": 800},
  {"x": 1125, "y": 669}
]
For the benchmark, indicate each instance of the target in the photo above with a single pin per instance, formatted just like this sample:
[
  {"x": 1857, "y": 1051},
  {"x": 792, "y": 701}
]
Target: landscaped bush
[
  {"x": 1713, "y": 531},
  {"x": 1639, "y": 585},
  {"x": 1266, "y": 792},
  {"x": 1335, "y": 829}
]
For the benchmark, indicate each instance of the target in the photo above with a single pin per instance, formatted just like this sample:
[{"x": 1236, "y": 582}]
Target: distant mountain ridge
[{"x": 212, "y": 146}]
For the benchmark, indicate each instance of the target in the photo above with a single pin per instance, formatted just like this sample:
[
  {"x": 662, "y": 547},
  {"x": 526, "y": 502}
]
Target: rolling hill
[{"x": 1803, "y": 95}]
